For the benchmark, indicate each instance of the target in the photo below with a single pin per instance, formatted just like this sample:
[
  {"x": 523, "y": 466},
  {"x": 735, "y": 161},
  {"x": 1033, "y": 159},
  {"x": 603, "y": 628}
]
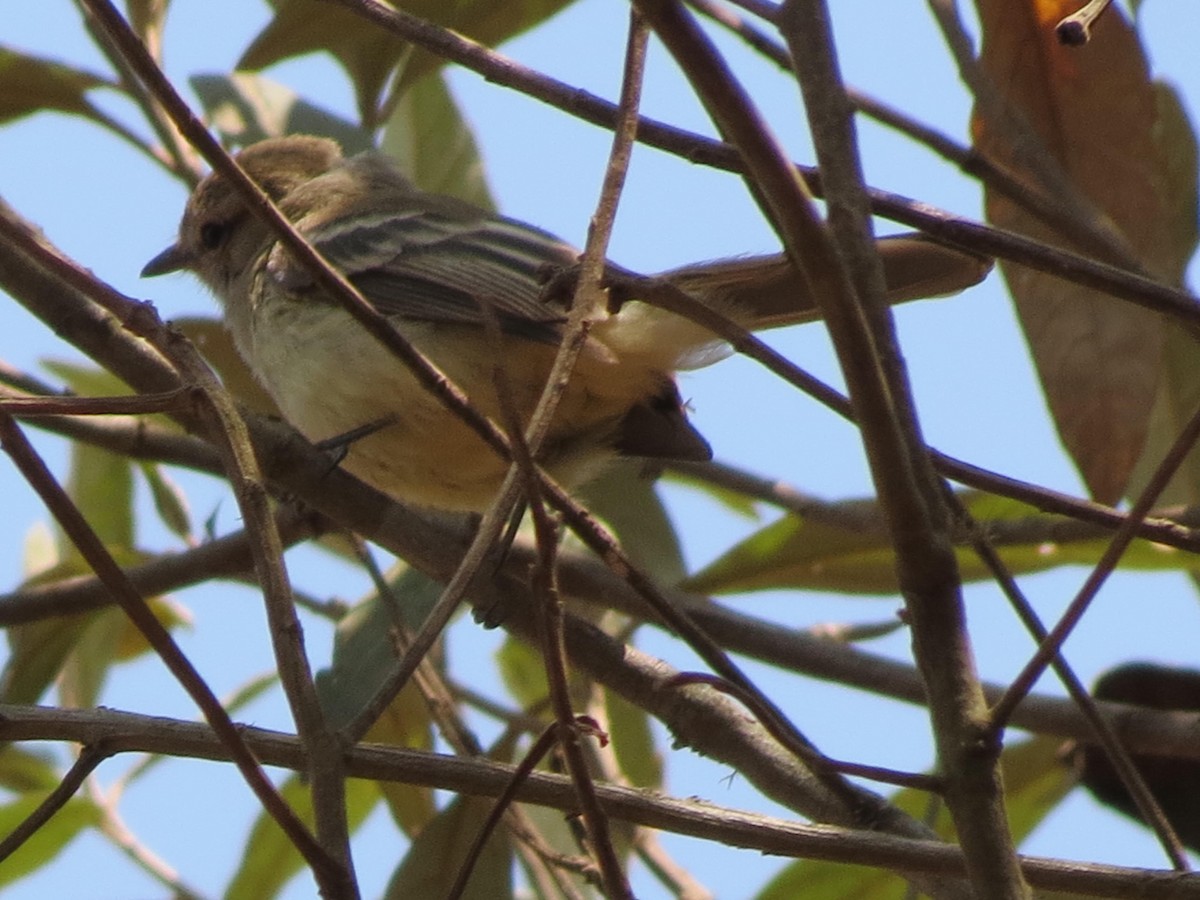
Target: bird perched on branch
[{"x": 439, "y": 269}]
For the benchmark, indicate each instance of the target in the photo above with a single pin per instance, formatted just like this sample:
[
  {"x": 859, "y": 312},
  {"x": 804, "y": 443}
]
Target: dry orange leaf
[{"x": 1094, "y": 113}]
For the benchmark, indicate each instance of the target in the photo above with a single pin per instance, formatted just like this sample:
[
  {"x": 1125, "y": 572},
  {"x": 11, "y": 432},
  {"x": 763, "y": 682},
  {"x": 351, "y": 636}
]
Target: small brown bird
[{"x": 430, "y": 264}]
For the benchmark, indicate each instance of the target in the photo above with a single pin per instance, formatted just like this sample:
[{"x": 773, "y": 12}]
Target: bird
[{"x": 467, "y": 288}]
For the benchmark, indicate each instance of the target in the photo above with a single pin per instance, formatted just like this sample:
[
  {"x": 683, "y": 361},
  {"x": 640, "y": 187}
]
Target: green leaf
[
  {"x": 1035, "y": 781},
  {"x": 30, "y": 84},
  {"x": 214, "y": 341},
  {"x": 405, "y": 723},
  {"x": 428, "y": 136},
  {"x": 169, "y": 500},
  {"x": 86, "y": 666},
  {"x": 250, "y": 691},
  {"x": 245, "y": 108},
  {"x": 100, "y": 482},
  {"x": 40, "y": 551},
  {"x": 270, "y": 859},
  {"x": 795, "y": 553},
  {"x": 523, "y": 672},
  {"x": 633, "y": 742},
  {"x": 80, "y": 649},
  {"x": 146, "y": 17},
  {"x": 439, "y": 852},
  {"x": 364, "y": 654},
  {"x": 370, "y": 54},
  {"x": 37, "y": 651},
  {"x": 49, "y": 840},
  {"x": 87, "y": 380},
  {"x": 109, "y": 638},
  {"x": 42, "y": 651},
  {"x": 630, "y": 506},
  {"x": 734, "y": 501},
  {"x": 22, "y": 770},
  {"x": 131, "y": 643}
]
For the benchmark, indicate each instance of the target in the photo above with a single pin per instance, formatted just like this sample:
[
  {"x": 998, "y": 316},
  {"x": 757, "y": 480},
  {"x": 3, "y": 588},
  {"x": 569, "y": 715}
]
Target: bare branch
[{"x": 127, "y": 732}]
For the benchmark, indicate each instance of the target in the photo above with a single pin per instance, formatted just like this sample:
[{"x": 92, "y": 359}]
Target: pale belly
[{"x": 329, "y": 377}]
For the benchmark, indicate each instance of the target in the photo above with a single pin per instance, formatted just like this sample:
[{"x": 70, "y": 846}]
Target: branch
[
  {"x": 954, "y": 231},
  {"x": 126, "y": 732},
  {"x": 1076, "y": 219},
  {"x": 92, "y": 549},
  {"x": 225, "y": 557},
  {"x": 435, "y": 545}
]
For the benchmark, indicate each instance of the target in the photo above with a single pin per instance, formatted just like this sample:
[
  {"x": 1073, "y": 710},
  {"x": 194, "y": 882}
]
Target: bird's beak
[{"x": 172, "y": 259}]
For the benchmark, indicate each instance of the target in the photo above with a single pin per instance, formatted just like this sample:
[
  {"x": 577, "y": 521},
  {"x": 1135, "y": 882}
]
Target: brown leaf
[
  {"x": 1096, "y": 113},
  {"x": 1179, "y": 388}
]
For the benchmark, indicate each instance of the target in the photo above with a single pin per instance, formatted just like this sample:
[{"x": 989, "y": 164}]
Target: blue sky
[{"x": 971, "y": 374}]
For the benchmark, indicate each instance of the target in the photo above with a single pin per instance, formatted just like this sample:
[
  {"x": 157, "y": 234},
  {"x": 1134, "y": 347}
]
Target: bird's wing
[{"x": 436, "y": 266}]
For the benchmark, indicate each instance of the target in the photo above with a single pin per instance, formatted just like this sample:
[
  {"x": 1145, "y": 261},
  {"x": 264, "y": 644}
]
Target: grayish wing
[{"x": 437, "y": 266}]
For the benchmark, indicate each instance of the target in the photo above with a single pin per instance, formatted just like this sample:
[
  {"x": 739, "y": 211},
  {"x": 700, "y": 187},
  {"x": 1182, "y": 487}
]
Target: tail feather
[{"x": 768, "y": 292}]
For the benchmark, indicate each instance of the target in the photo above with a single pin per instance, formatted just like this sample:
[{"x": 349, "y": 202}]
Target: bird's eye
[{"x": 211, "y": 235}]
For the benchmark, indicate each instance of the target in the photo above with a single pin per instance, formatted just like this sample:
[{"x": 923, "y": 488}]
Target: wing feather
[{"x": 444, "y": 267}]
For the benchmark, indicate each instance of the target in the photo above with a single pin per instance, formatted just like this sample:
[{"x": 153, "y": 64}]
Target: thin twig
[
  {"x": 128, "y": 732},
  {"x": 954, "y": 231},
  {"x": 93, "y": 550},
  {"x": 128, "y": 436},
  {"x": 543, "y": 588},
  {"x": 89, "y": 758},
  {"x": 435, "y": 693},
  {"x": 915, "y": 780},
  {"x": 674, "y": 877},
  {"x": 138, "y": 404},
  {"x": 544, "y": 579},
  {"x": 114, "y": 828},
  {"x": 543, "y": 585},
  {"x": 1105, "y": 735},
  {"x": 540, "y": 861},
  {"x": 1046, "y": 651},
  {"x": 1088, "y": 232},
  {"x": 225, "y": 557},
  {"x": 850, "y": 800},
  {"x": 180, "y": 161},
  {"x": 1075, "y": 30},
  {"x": 901, "y": 469},
  {"x": 535, "y": 754},
  {"x": 470, "y": 564}
]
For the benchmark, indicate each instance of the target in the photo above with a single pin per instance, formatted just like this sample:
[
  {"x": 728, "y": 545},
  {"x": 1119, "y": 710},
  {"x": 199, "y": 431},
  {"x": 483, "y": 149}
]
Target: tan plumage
[{"x": 429, "y": 263}]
